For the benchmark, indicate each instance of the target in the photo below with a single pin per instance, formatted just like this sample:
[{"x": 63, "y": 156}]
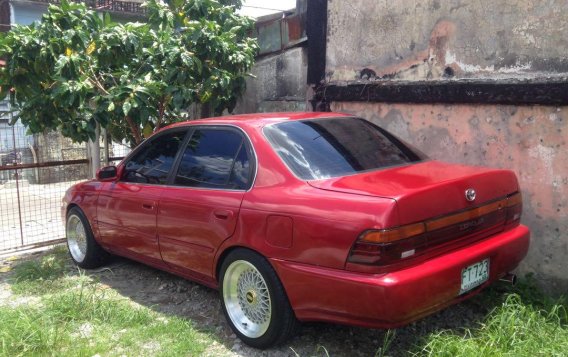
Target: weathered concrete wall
[
  {"x": 530, "y": 140},
  {"x": 52, "y": 146},
  {"x": 431, "y": 39},
  {"x": 493, "y": 42},
  {"x": 279, "y": 84}
]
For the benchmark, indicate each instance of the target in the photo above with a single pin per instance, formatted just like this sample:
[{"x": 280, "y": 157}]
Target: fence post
[
  {"x": 106, "y": 148},
  {"x": 16, "y": 176}
]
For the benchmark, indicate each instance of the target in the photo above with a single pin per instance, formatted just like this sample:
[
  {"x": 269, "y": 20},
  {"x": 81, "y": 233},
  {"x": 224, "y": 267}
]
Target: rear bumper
[{"x": 400, "y": 297}]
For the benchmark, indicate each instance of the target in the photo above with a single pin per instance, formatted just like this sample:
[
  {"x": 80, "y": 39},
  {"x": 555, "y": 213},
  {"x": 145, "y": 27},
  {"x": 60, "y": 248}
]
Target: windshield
[{"x": 324, "y": 148}]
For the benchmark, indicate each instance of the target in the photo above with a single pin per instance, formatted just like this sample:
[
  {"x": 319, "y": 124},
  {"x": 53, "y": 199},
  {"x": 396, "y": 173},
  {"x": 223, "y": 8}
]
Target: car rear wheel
[
  {"x": 83, "y": 248},
  {"x": 254, "y": 300}
]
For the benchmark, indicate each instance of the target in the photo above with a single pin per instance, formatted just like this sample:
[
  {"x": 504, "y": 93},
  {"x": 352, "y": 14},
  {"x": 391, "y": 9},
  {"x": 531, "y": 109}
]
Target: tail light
[
  {"x": 387, "y": 246},
  {"x": 514, "y": 210}
]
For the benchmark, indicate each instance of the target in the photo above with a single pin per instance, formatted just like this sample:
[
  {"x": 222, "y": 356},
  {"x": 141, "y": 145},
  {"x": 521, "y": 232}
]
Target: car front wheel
[
  {"x": 254, "y": 300},
  {"x": 83, "y": 248}
]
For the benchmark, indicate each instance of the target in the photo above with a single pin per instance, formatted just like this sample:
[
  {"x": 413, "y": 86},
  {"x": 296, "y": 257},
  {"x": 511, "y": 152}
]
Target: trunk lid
[{"x": 428, "y": 189}]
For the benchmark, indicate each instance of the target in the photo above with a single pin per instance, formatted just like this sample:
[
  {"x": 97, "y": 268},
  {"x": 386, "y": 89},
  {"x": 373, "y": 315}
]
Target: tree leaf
[{"x": 126, "y": 106}]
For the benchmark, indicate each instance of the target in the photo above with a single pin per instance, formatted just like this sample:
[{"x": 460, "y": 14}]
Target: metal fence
[{"x": 35, "y": 172}]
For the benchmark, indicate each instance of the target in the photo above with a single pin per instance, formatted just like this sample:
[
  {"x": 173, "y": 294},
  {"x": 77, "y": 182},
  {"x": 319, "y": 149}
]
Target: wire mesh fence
[
  {"x": 35, "y": 172},
  {"x": 30, "y": 213},
  {"x": 117, "y": 151}
]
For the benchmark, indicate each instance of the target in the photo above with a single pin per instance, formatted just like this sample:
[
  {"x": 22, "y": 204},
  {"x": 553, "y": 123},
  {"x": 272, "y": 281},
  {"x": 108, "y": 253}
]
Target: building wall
[
  {"x": 409, "y": 39},
  {"x": 25, "y": 13},
  {"x": 530, "y": 140},
  {"x": 420, "y": 44},
  {"x": 279, "y": 76},
  {"x": 278, "y": 83}
]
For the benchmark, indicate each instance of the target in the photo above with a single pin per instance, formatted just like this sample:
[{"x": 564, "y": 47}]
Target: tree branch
[
  {"x": 134, "y": 129},
  {"x": 161, "y": 109},
  {"x": 94, "y": 80}
]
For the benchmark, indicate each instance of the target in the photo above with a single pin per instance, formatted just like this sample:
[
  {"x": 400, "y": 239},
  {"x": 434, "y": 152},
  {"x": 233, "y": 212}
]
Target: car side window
[
  {"x": 215, "y": 158},
  {"x": 154, "y": 161}
]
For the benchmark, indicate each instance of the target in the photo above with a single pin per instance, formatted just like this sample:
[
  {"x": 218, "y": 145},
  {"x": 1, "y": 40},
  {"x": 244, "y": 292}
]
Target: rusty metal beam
[
  {"x": 33, "y": 246},
  {"x": 478, "y": 91},
  {"x": 52, "y": 163},
  {"x": 43, "y": 164}
]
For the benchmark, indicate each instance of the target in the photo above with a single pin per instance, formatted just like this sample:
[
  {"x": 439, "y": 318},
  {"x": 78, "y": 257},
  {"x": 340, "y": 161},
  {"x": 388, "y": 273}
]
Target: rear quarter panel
[{"x": 324, "y": 223}]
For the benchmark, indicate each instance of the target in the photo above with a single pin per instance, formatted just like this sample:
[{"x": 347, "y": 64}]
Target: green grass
[
  {"x": 73, "y": 315},
  {"x": 42, "y": 275},
  {"x": 59, "y": 311},
  {"x": 525, "y": 322}
]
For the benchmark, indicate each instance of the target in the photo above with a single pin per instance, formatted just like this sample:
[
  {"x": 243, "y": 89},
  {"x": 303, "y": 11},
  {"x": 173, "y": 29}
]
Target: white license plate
[{"x": 474, "y": 275}]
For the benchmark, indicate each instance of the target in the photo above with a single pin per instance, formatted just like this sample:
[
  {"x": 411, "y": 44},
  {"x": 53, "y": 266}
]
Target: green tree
[{"x": 74, "y": 69}]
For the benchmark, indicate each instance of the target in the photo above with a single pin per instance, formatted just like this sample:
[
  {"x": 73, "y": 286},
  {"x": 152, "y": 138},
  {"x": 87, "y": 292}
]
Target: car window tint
[
  {"x": 240, "y": 174},
  {"x": 209, "y": 157},
  {"x": 323, "y": 148},
  {"x": 154, "y": 161}
]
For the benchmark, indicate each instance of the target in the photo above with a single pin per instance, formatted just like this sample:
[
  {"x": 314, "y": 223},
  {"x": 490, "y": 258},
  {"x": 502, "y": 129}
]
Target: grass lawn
[
  {"x": 56, "y": 310},
  {"x": 524, "y": 322},
  {"x": 63, "y": 314}
]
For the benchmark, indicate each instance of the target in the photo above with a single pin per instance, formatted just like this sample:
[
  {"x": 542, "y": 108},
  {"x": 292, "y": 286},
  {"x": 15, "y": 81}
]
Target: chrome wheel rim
[
  {"x": 76, "y": 238},
  {"x": 247, "y": 299}
]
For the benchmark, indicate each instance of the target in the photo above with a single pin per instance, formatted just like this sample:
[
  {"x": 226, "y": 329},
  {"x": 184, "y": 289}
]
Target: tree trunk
[
  {"x": 94, "y": 153},
  {"x": 135, "y": 130},
  {"x": 205, "y": 110}
]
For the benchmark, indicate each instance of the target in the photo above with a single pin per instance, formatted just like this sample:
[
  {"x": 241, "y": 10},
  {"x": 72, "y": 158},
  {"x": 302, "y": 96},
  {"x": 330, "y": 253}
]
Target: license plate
[{"x": 474, "y": 275}]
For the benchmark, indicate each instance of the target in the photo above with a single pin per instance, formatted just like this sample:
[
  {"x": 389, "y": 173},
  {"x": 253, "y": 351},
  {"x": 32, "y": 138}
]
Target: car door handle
[
  {"x": 223, "y": 214},
  {"x": 147, "y": 206}
]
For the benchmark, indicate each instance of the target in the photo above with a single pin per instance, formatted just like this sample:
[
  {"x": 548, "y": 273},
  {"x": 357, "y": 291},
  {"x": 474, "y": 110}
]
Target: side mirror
[{"x": 107, "y": 173}]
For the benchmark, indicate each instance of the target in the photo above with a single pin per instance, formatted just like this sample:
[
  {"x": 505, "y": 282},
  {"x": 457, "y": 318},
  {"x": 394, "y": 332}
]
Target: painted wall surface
[
  {"x": 434, "y": 39},
  {"x": 530, "y": 140},
  {"x": 278, "y": 84},
  {"x": 26, "y": 13}
]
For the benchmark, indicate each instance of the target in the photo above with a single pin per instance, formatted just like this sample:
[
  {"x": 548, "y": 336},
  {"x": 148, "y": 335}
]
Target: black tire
[
  {"x": 90, "y": 254},
  {"x": 281, "y": 323}
]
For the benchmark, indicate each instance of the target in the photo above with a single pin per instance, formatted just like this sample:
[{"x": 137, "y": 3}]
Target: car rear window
[
  {"x": 215, "y": 158},
  {"x": 324, "y": 148}
]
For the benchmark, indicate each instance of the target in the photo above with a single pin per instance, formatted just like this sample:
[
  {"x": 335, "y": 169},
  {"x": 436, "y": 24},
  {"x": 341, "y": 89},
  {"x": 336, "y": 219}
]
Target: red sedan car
[{"x": 302, "y": 217}]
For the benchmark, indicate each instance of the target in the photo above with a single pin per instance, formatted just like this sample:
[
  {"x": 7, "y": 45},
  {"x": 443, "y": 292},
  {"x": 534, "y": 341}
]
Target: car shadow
[{"x": 172, "y": 295}]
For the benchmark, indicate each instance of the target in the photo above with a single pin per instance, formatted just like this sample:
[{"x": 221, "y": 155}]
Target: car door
[
  {"x": 127, "y": 209},
  {"x": 200, "y": 207}
]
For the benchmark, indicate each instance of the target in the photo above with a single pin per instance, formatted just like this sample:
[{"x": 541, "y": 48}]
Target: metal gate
[{"x": 35, "y": 172}]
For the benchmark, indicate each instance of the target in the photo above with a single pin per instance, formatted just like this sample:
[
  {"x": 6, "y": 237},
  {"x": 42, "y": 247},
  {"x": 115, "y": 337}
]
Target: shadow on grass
[{"x": 174, "y": 296}]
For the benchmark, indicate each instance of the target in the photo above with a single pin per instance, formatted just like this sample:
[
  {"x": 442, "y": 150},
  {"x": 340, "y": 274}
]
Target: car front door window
[{"x": 154, "y": 161}]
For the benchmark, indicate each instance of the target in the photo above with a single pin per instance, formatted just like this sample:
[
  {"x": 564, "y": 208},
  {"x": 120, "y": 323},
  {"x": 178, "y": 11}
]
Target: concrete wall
[
  {"x": 375, "y": 43},
  {"x": 279, "y": 83},
  {"x": 531, "y": 140},
  {"x": 409, "y": 39}
]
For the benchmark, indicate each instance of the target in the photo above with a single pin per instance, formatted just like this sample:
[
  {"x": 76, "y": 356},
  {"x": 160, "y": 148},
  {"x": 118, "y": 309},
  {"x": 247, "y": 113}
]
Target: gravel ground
[{"x": 173, "y": 295}]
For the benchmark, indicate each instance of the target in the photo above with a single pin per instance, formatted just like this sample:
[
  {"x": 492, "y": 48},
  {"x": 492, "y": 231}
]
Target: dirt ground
[{"x": 173, "y": 295}]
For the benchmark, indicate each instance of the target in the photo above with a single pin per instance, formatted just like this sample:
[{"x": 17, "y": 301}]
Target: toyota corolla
[{"x": 302, "y": 217}]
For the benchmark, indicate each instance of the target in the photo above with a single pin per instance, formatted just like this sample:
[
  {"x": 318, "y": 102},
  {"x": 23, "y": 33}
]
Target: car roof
[{"x": 259, "y": 119}]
